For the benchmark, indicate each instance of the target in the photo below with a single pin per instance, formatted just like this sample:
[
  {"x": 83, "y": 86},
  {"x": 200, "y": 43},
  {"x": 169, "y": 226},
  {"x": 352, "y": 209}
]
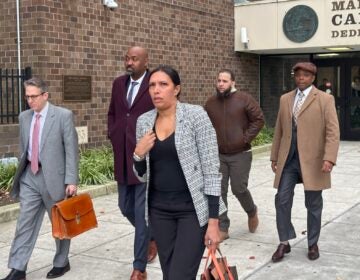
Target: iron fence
[{"x": 12, "y": 99}]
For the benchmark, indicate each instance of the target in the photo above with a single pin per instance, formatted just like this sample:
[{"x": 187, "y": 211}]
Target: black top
[{"x": 167, "y": 180}]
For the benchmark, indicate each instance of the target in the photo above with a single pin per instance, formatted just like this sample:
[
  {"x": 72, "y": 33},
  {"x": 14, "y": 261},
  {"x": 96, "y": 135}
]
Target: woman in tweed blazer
[{"x": 177, "y": 156}]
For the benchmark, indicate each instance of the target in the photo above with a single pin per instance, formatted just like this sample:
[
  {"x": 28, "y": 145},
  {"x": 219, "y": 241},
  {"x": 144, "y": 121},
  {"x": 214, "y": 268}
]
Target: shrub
[
  {"x": 265, "y": 136},
  {"x": 96, "y": 167},
  {"x": 7, "y": 172}
]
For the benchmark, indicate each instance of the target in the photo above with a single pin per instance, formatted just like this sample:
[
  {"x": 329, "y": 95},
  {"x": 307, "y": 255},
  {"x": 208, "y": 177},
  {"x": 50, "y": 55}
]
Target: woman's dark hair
[{"x": 171, "y": 72}]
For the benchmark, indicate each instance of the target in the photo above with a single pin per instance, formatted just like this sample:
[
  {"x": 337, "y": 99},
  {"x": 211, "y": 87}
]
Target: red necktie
[{"x": 35, "y": 145}]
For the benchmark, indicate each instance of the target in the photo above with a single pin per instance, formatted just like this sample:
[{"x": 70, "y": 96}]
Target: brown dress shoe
[
  {"x": 313, "y": 252},
  {"x": 224, "y": 235},
  {"x": 280, "y": 252},
  {"x": 253, "y": 221},
  {"x": 152, "y": 251},
  {"x": 138, "y": 275}
]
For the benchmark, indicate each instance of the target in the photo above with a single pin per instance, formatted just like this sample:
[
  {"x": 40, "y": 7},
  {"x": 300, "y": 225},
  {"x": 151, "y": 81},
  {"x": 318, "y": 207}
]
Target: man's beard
[
  {"x": 129, "y": 71},
  {"x": 224, "y": 94}
]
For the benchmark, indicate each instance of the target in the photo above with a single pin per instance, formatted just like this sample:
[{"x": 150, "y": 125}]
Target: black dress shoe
[
  {"x": 58, "y": 271},
  {"x": 16, "y": 275},
  {"x": 313, "y": 252},
  {"x": 280, "y": 252}
]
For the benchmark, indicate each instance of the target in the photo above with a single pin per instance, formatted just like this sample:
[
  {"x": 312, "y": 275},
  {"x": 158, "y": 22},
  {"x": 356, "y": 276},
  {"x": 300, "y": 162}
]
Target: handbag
[
  {"x": 218, "y": 269},
  {"x": 73, "y": 216}
]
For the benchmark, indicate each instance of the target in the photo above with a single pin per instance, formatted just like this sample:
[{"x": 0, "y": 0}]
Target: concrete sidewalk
[{"x": 106, "y": 252}]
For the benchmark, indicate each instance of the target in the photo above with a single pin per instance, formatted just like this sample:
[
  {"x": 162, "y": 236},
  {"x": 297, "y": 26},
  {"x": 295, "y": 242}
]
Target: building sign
[
  {"x": 77, "y": 88},
  {"x": 300, "y": 23},
  {"x": 345, "y": 18}
]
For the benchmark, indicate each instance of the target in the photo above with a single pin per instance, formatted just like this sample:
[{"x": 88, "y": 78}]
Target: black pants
[
  {"x": 179, "y": 238},
  {"x": 284, "y": 201},
  {"x": 132, "y": 206}
]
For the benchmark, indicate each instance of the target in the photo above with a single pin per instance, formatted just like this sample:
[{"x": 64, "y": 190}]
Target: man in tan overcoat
[{"x": 304, "y": 150}]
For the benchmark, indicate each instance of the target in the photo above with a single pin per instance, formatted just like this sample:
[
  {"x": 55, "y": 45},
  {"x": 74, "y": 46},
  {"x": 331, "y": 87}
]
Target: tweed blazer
[
  {"x": 318, "y": 137},
  {"x": 197, "y": 149}
]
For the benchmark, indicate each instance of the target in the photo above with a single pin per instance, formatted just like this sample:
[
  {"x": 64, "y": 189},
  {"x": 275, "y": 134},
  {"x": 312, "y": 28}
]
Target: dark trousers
[
  {"x": 284, "y": 200},
  {"x": 179, "y": 238},
  {"x": 236, "y": 168},
  {"x": 132, "y": 206}
]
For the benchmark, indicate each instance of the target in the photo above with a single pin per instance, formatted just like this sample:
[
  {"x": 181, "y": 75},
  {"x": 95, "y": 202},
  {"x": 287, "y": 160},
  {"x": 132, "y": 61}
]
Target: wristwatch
[{"x": 138, "y": 158}]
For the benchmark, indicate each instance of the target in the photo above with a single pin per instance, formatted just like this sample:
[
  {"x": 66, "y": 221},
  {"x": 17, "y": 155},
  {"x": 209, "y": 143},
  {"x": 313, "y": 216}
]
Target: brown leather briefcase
[{"x": 73, "y": 216}]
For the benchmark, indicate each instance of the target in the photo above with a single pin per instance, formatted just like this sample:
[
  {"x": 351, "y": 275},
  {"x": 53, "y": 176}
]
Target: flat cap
[{"x": 306, "y": 66}]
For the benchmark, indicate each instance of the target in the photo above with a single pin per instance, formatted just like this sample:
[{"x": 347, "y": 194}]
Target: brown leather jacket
[{"x": 237, "y": 120}]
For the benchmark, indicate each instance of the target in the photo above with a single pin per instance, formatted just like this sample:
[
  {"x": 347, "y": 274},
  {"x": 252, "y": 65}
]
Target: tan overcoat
[{"x": 318, "y": 137}]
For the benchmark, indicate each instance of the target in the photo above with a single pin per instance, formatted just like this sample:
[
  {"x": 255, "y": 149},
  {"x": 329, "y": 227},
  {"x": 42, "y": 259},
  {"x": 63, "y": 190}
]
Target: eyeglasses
[{"x": 33, "y": 97}]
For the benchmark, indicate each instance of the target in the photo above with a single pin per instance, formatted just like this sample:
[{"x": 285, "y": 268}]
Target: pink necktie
[{"x": 35, "y": 145}]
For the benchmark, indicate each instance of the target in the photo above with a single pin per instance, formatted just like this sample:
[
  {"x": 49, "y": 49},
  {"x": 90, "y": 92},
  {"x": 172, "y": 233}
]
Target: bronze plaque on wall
[{"x": 77, "y": 88}]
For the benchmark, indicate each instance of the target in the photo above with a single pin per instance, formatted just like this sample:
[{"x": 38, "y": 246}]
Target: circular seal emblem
[{"x": 300, "y": 23}]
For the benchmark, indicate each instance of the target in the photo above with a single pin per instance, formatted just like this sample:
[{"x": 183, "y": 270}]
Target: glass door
[
  {"x": 352, "y": 115},
  {"x": 341, "y": 78},
  {"x": 328, "y": 80}
]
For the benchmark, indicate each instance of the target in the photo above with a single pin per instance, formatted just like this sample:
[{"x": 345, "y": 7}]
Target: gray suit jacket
[
  {"x": 59, "y": 154},
  {"x": 197, "y": 149}
]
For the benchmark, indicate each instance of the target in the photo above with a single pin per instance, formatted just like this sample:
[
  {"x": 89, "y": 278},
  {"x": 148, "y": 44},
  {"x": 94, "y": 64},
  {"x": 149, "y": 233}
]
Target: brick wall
[
  {"x": 82, "y": 37},
  {"x": 9, "y": 147}
]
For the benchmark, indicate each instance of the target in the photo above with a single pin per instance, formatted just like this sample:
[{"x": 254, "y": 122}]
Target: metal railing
[{"x": 12, "y": 100}]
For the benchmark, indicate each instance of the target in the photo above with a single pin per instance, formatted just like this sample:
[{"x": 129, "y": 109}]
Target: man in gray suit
[{"x": 47, "y": 172}]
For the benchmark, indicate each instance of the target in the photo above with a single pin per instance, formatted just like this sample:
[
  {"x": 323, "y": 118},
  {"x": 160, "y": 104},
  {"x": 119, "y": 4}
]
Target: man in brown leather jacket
[{"x": 237, "y": 119}]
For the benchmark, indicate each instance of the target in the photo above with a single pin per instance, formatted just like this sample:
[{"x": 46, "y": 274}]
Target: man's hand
[
  {"x": 274, "y": 166},
  {"x": 327, "y": 166},
  {"x": 71, "y": 190}
]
